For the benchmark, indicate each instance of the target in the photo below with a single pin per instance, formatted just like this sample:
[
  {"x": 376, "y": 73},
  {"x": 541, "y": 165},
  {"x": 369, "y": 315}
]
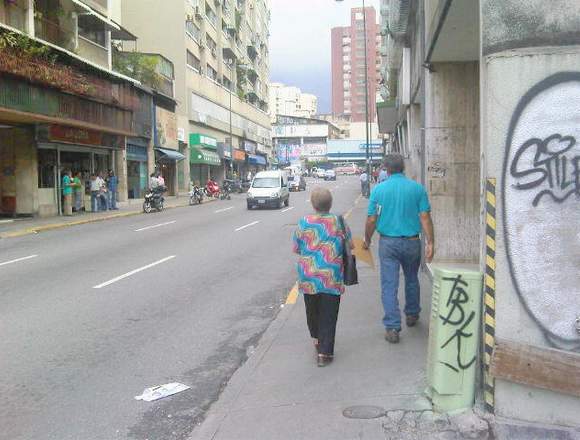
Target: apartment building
[
  {"x": 290, "y": 101},
  {"x": 62, "y": 107},
  {"x": 348, "y": 65},
  {"x": 219, "y": 49}
]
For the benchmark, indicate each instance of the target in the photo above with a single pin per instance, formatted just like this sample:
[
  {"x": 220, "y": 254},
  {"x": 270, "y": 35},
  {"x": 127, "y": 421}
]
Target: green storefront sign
[{"x": 201, "y": 140}]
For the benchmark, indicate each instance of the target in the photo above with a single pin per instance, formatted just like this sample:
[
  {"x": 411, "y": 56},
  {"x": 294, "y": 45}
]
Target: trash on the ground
[{"x": 161, "y": 391}]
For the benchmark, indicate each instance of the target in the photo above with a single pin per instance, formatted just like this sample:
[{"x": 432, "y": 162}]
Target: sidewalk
[
  {"x": 31, "y": 225},
  {"x": 372, "y": 390}
]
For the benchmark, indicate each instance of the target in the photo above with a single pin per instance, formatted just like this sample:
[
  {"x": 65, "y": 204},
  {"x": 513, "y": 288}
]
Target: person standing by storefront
[
  {"x": 95, "y": 190},
  {"x": 67, "y": 190},
  {"x": 112, "y": 185},
  {"x": 364, "y": 184},
  {"x": 78, "y": 191}
]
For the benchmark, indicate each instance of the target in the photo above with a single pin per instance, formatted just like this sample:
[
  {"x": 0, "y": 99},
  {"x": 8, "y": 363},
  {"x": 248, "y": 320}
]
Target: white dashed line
[
  {"x": 247, "y": 226},
  {"x": 133, "y": 272},
  {"x": 155, "y": 226},
  {"x": 288, "y": 209},
  {"x": 224, "y": 210},
  {"x": 18, "y": 259}
]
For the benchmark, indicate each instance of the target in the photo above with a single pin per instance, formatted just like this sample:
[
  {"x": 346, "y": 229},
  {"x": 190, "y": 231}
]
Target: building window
[
  {"x": 192, "y": 30},
  {"x": 89, "y": 31},
  {"x": 211, "y": 45},
  {"x": 193, "y": 61},
  {"x": 227, "y": 83},
  {"x": 211, "y": 73},
  {"x": 210, "y": 14}
]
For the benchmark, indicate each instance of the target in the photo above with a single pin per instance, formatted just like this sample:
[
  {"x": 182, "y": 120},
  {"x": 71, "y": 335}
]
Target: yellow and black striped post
[{"x": 489, "y": 320}]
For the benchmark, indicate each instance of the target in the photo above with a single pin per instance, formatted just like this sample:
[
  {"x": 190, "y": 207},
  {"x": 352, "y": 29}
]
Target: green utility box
[{"x": 454, "y": 338}]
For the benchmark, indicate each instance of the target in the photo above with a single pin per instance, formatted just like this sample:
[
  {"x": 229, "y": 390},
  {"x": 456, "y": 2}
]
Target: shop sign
[
  {"x": 319, "y": 130},
  {"x": 203, "y": 140},
  {"x": 250, "y": 147},
  {"x": 225, "y": 151},
  {"x": 313, "y": 150},
  {"x": 181, "y": 134},
  {"x": 261, "y": 148},
  {"x": 239, "y": 155},
  {"x": 166, "y": 129},
  {"x": 79, "y": 136},
  {"x": 289, "y": 152}
]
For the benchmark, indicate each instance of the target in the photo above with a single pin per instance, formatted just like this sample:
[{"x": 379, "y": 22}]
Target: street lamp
[{"x": 367, "y": 124}]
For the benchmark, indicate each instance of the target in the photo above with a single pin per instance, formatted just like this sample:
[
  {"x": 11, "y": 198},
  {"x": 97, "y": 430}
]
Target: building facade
[
  {"x": 221, "y": 58},
  {"x": 348, "y": 65},
  {"x": 302, "y": 140},
  {"x": 290, "y": 101},
  {"x": 62, "y": 107},
  {"x": 483, "y": 100}
]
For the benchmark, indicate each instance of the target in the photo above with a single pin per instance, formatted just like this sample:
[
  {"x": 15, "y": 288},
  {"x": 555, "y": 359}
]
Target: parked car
[
  {"x": 320, "y": 173},
  {"x": 296, "y": 183},
  {"x": 329, "y": 175},
  {"x": 269, "y": 189}
]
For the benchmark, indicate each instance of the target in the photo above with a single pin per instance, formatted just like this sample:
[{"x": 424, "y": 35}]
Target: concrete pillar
[
  {"x": 530, "y": 133},
  {"x": 452, "y": 158},
  {"x": 121, "y": 172}
]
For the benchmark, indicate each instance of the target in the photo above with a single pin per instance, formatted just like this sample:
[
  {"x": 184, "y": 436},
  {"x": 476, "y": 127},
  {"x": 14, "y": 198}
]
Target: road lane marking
[
  {"x": 133, "y": 272},
  {"x": 223, "y": 210},
  {"x": 6, "y": 221},
  {"x": 18, "y": 259},
  {"x": 287, "y": 209},
  {"x": 247, "y": 226},
  {"x": 293, "y": 295},
  {"x": 155, "y": 226}
]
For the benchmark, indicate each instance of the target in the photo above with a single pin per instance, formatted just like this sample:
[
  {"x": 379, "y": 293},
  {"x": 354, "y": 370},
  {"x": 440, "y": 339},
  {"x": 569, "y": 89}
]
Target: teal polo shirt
[{"x": 397, "y": 202}]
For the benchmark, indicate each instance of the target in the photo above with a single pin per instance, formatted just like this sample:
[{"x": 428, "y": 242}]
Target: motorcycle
[
  {"x": 154, "y": 199},
  {"x": 195, "y": 195},
  {"x": 212, "y": 189},
  {"x": 226, "y": 190}
]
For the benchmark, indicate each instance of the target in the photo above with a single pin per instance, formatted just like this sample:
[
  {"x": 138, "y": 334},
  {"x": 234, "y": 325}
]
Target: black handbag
[{"x": 350, "y": 274}]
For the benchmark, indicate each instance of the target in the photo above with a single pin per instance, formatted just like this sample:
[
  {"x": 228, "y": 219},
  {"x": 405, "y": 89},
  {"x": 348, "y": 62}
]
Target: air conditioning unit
[
  {"x": 201, "y": 46},
  {"x": 189, "y": 17},
  {"x": 213, "y": 53},
  {"x": 198, "y": 13}
]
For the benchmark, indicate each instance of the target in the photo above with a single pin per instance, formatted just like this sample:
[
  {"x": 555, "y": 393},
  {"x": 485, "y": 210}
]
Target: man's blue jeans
[
  {"x": 395, "y": 253},
  {"x": 112, "y": 199}
]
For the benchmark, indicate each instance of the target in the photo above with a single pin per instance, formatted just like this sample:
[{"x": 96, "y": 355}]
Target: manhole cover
[{"x": 364, "y": 412}]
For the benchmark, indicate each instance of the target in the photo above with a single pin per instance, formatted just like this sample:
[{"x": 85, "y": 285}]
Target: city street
[{"x": 94, "y": 314}]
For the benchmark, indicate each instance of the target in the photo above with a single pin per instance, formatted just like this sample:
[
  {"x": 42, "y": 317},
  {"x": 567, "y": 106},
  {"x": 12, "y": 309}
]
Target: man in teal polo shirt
[{"x": 398, "y": 209}]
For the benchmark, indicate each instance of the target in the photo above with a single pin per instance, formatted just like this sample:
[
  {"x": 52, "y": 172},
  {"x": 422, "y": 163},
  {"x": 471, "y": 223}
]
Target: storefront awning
[
  {"x": 256, "y": 160},
  {"x": 204, "y": 157},
  {"x": 169, "y": 154}
]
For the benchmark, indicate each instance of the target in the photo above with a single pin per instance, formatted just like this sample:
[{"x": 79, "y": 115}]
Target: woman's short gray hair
[{"x": 321, "y": 199}]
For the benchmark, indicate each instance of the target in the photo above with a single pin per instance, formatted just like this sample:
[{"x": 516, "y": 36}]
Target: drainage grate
[{"x": 364, "y": 412}]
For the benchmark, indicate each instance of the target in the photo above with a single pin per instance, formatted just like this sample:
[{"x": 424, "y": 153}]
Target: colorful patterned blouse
[{"x": 319, "y": 242}]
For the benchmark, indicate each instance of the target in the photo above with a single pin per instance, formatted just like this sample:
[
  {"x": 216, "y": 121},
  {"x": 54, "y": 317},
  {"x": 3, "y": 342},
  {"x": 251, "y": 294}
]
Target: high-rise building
[
  {"x": 348, "y": 65},
  {"x": 290, "y": 101},
  {"x": 221, "y": 58}
]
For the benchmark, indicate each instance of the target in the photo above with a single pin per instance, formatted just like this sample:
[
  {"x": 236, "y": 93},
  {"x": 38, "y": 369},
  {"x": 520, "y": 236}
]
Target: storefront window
[{"x": 102, "y": 164}]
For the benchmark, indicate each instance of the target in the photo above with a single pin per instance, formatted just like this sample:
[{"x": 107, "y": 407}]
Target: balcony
[
  {"x": 53, "y": 32},
  {"x": 98, "y": 5},
  {"x": 14, "y": 15},
  {"x": 93, "y": 52},
  {"x": 252, "y": 51},
  {"x": 153, "y": 70}
]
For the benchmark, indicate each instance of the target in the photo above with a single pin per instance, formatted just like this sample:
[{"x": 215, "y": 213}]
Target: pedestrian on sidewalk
[
  {"x": 364, "y": 184},
  {"x": 398, "y": 209},
  {"x": 78, "y": 191},
  {"x": 112, "y": 185},
  {"x": 102, "y": 196},
  {"x": 319, "y": 240},
  {"x": 67, "y": 190}
]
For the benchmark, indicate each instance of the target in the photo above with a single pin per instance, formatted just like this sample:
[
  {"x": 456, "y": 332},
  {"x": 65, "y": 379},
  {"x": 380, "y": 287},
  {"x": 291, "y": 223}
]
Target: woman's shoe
[{"x": 324, "y": 360}]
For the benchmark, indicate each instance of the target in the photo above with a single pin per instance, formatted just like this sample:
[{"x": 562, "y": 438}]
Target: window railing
[{"x": 54, "y": 33}]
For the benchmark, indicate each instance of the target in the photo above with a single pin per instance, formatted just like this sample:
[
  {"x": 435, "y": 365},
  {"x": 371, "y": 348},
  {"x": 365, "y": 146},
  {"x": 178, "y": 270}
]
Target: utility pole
[{"x": 367, "y": 126}]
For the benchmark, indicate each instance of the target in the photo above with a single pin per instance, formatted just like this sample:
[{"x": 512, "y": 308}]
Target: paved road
[{"x": 91, "y": 315}]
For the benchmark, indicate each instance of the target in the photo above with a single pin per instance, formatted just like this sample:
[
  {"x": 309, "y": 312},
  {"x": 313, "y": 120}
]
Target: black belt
[{"x": 412, "y": 237}]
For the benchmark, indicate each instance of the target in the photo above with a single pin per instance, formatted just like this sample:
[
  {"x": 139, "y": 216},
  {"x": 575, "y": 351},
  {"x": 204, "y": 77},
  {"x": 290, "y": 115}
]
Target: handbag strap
[{"x": 345, "y": 241}]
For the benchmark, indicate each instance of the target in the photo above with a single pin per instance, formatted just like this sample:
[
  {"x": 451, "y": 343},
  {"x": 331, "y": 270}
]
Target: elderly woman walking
[{"x": 320, "y": 241}]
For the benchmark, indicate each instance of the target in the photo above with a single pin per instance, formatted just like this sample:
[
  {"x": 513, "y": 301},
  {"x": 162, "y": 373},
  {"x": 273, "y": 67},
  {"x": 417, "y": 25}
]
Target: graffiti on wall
[
  {"x": 541, "y": 205},
  {"x": 457, "y": 317}
]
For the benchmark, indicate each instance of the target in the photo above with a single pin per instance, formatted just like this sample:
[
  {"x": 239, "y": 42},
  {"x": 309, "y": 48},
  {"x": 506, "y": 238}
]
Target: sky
[{"x": 300, "y": 42}]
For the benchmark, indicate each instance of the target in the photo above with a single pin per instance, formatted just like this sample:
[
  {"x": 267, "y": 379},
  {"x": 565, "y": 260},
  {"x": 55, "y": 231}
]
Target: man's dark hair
[{"x": 394, "y": 163}]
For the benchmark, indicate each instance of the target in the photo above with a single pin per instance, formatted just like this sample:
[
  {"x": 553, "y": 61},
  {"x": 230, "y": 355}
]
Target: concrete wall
[
  {"x": 531, "y": 108},
  {"x": 452, "y": 158}
]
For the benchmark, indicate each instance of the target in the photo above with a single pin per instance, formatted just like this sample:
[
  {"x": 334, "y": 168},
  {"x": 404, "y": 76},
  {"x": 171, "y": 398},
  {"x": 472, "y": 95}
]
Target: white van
[{"x": 269, "y": 189}]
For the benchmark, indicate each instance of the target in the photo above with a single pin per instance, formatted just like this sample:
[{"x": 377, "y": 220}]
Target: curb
[
  {"x": 53, "y": 226},
  {"x": 220, "y": 409}
]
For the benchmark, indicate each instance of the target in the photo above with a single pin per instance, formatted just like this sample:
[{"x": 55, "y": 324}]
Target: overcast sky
[{"x": 300, "y": 42}]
